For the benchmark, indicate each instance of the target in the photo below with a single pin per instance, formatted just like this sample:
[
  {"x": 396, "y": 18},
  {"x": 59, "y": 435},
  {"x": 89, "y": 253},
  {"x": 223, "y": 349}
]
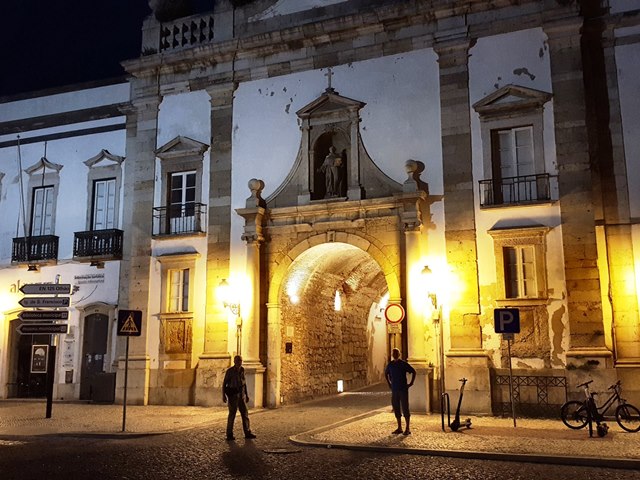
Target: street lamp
[
  {"x": 427, "y": 274},
  {"x": 228, "y": 300}
]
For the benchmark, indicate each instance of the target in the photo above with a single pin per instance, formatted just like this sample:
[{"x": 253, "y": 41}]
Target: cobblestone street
[{"x": 193, "y": 445}]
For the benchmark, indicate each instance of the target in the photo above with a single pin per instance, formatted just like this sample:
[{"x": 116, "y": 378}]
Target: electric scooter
[{"x": 444, "y": 404}]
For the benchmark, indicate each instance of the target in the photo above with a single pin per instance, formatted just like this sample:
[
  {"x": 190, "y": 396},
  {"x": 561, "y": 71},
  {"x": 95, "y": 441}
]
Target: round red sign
[{"x": 394, "y": 313}]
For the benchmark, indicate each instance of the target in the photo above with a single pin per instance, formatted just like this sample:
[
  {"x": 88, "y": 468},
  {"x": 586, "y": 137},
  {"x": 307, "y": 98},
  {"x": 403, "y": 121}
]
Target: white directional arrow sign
[
  {"x": 46, "y": 288},
  {"x": 42, "y": 328},
  {"x": 44, "y": 302},
  {"x": 41, "y": 315}
]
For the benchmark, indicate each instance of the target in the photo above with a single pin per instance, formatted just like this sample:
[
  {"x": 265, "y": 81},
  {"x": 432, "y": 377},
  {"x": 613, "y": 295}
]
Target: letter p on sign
[{"x": 506, "y": 320}]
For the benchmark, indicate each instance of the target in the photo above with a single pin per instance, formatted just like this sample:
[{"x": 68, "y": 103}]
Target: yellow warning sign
[{"x": 129, "y": 323}]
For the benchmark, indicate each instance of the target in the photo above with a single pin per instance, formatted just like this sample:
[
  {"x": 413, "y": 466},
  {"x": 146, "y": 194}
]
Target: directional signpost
[
  {"x": 46, "y": 289},
  {"x": 43, "y": 315},
  {"x": 49, "y": 300},
  {"x": 507, "y": 322},
  {"x": 42, "y": 328},
  {"x": 46, "y": 302}
]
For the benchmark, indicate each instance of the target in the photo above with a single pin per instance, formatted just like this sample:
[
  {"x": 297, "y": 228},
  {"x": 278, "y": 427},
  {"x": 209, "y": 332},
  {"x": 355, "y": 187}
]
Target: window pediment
[
  {"x": 511, "y": 98},
  {"x": 181, "y": 147},
  {"x": 43, "y": 164},
  {"x": 104, "y": 155}
]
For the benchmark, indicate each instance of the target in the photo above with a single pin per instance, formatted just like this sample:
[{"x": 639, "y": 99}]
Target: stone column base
[
  {"x": 254, "y": 374},
  {"x": 420, "y": 393},
  {"x": 474, "y": 366},
  {"x": 137, "y": 380},
  {"x": 209, "y": 376}
]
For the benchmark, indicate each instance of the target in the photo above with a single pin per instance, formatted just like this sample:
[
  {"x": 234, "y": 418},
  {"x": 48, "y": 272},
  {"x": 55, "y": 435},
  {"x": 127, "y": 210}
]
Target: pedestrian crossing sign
[{"x": 129, "y": 323}]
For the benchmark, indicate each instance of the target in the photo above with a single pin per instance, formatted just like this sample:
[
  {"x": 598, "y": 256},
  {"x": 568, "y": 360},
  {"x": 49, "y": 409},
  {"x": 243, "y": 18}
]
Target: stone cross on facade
[{"x": 329, "y": 74}]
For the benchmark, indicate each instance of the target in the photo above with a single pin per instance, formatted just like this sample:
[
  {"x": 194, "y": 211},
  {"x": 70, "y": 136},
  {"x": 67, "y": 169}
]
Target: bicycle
[{"x": 575, "y": 414}]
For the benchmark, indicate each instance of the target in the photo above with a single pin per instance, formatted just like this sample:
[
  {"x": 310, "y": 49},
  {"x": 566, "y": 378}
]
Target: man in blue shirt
[{"x": 396, "y": 375}]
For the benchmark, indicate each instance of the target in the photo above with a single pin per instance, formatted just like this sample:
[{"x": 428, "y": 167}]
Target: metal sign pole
[
  {"x": 126, "y": 374},
  {"x": 51, "y": 370},
  {"x": 513, "y": 406}
]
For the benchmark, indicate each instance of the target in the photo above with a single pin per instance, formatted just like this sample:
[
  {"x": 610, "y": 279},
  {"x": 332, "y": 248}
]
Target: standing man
[
  {"x": 234, "y": 389},
  {"x": 396, "y": 375}
]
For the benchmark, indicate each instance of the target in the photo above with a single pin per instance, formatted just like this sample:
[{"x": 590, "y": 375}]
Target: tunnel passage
[{"x": 332, "y": 326}]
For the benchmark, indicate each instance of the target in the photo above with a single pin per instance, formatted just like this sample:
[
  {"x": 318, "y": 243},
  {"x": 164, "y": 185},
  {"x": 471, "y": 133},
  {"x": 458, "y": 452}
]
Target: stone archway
[{"x": 328, "y": 326}]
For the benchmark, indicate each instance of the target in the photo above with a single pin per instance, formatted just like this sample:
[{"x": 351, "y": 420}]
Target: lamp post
[
  {"x": 224, "y": 291},
  {"x": 437, "y": 322}
]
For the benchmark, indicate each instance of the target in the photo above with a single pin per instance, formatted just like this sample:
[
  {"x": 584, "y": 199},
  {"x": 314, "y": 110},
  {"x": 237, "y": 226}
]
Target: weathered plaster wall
[{"x": 523, "y": 61}]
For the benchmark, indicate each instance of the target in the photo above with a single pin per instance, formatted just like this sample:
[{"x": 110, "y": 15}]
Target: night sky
[{"x": 52, "y": 43}]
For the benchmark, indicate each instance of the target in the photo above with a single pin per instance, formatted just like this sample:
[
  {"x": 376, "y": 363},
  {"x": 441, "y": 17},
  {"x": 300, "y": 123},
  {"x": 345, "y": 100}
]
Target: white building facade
[{"x": 492, "y": 143}]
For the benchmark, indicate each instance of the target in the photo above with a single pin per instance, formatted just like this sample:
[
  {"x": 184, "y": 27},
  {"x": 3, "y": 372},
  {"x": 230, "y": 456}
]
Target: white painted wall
[
  {"x": 64, "y": 102},
  {"x": 72, "y": 204},
  {"x": 523, "y": 60},
  {"x": 628, "y": 63},
  {"x": 401, "y": 121}
]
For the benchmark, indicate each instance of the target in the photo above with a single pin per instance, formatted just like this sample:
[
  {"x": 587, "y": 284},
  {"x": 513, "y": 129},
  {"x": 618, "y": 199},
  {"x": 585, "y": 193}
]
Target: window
[
  {"x": 178, "y": 272},
  {"x": 104, "y": 204},
  {"x": 42, "y": 211},
  {"x": 520, "y": 255},
  {"x": 180, "y": 211},
  {"x": 182, "y": 196},
  {"x": 178, "y": 290},
  {"x": 511, "y": 121},
  {"x": 520, "y": 272}
]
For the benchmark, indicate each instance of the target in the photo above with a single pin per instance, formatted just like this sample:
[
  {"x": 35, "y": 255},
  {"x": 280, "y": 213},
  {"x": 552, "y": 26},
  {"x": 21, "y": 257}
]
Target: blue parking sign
[{"x": 506, "y": 320}]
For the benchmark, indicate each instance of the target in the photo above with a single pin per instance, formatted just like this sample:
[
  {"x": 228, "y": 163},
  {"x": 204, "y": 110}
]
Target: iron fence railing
[{"x": 533, "y": 395}]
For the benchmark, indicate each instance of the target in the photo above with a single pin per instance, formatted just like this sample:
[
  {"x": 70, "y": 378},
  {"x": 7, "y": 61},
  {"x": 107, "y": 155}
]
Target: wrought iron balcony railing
[
  {"x": 184, "y": 219},
  {"x": 515, "y": 190},
  {"x": 34, "y": 249},
  {"x": 102, "y": 244}
]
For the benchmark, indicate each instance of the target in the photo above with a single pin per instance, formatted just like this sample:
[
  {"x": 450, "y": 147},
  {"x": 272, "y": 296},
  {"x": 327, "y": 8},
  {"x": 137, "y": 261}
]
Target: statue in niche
[{"x": 332, "y": 168}]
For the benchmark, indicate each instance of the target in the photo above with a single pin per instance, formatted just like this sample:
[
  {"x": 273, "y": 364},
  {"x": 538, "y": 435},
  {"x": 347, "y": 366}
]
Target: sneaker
[
  {"x": 249, "y": 435},
  {"x": 407, "y": 432},
  {"x": 230, "y": 439},
  {"x": 397, "y": 431}
]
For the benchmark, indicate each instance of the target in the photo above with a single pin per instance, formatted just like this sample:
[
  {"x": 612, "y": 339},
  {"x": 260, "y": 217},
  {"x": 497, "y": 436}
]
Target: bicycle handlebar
[{"x": 585, "y": 384}]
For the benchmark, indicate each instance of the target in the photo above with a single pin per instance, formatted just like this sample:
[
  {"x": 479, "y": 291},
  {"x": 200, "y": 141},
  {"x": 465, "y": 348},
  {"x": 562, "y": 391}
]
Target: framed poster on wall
[{"x": 39, "y": 356}]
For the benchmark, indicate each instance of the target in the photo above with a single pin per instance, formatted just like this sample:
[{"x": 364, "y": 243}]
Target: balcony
[
  {"x": 40, "y": 249},
  {"x": 184, "y": 219},
  {"x": 524, "y": 190},
  {"x": 98, "y": 245}
]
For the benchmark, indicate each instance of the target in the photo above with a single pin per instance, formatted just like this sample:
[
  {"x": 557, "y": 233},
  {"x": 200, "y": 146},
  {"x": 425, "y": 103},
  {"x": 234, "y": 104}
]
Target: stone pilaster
[
  {"x": 142, "y": 121},
  {"x": 216, "y": 357},
  {"x": 613, "y": 222},
  {"x": 274, "y": 354},
  {"x": 460, "y": 227},
  {"x": 253, "y": 215},
  {"x": 575, "y": 184},
  {"x": 466, "y": 357}
]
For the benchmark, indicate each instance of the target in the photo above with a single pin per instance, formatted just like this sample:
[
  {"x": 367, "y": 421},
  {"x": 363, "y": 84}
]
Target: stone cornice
[{"x": 220, "y": 57}]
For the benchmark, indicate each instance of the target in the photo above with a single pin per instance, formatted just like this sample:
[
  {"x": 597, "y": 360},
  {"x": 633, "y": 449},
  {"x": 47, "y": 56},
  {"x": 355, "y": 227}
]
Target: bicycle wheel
[
  {"x": 628, "y": 417},
  {"x": 574, "y": 414}
]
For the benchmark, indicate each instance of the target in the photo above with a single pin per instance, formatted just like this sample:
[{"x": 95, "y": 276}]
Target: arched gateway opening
[
  {"x": 323, "y": 257},
  {"x": 332, "y": 329}
]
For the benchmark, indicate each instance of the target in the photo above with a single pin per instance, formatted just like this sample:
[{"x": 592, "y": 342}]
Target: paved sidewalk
[{"x": 533, "y": 440}]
